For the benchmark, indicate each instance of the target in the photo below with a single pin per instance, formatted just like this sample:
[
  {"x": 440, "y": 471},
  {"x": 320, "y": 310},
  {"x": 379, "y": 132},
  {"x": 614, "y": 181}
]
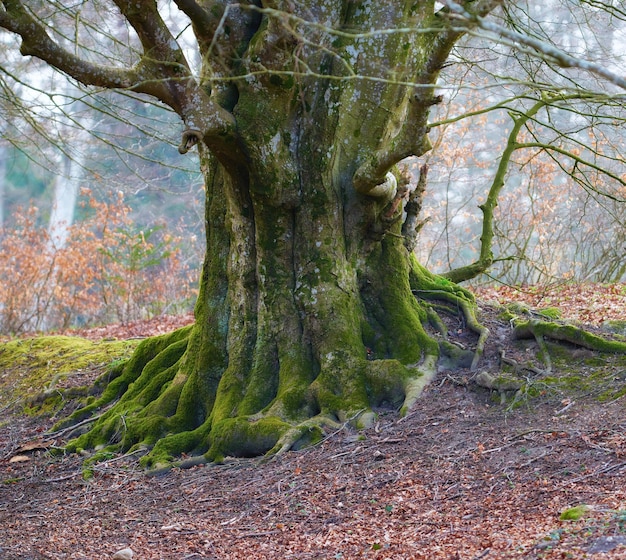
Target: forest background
[{"x": 101, "y": 219}]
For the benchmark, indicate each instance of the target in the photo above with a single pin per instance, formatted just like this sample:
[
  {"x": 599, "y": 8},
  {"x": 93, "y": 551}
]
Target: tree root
[
  {"x": 415, "y": 385},
  {"x": 271, "y": 397},
  {"x": 463, "y": 303},
  {"x": 310, "y": 431},
  {"x": 540, "y": 330}
]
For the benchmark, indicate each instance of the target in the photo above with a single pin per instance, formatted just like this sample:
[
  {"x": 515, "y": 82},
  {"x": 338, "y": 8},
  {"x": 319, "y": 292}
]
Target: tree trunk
[
  {"x": 66, "y": 189},
  {"x": 307, "y": 315},
  {"x": 3, "y": 181}
]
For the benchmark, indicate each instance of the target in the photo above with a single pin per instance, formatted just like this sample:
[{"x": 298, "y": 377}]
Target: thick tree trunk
[
  {"x": 306, "y": 315},
  {"x": 306, "y": 318}
]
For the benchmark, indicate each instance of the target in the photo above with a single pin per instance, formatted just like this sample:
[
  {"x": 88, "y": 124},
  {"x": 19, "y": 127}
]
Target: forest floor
[{"x": 463, "y": 476}]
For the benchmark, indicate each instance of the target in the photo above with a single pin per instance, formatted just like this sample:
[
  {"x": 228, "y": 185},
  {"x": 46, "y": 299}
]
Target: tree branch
[
  {"x": 412, "y": 139},
  {"x": 200, "y": 17},
  {"x": 485, "y": 259},
  {"x": 162, "y": 71},
  {"x": 537, "y": 47},
  {"x": 578, "y": 160},
  {"x": 36, "y": 42},
  {"x": 411, "y": 226}
]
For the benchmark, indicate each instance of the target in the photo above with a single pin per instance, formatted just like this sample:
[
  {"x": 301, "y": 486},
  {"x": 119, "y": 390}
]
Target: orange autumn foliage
[{"x": 105, "y": 272}]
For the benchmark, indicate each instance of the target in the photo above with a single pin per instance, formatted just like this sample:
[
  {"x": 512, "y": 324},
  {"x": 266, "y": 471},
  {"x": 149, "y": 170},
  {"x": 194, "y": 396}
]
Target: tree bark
[{"x": 307, "y": 315}]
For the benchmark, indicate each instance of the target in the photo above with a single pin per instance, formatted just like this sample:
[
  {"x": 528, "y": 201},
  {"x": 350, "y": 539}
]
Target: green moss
[
  {"x": 567, "y": 333},
  {"x": 35, "y": 365},
  {"x": 340, "y": 388},
  {"x": 550, "y": 312},
  {"x": 103, "y": 454},
  {"x": 262, "y": 386},
  {"x": 517, "y": 308},
  {"x": 293, "y": 397},
  {"x": 506, "y": 315},
  {"x": 594, "y": 377},
  {"x": 243, "y": 437},
  {"x": 453, "y": 357},
  {"x": 148, "y": 397},
  {"x": 12, "y": 480},
  {"x": 393, "y": 306},
  {"x": 574, "y": 513},
  {"x": 386, "y": 381},
  {"x": 156, "y": 355},
  {"x": 612, "y": 394},
  {"x": 501, "y": 382},
  {"x": 169, "y": 448}
]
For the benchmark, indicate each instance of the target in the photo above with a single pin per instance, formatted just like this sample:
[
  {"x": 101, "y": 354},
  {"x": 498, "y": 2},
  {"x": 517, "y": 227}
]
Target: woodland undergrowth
[{"x": 107, "y": 271}]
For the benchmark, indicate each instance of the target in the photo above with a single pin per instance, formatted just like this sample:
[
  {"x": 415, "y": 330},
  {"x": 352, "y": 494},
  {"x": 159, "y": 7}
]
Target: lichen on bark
[{"x": 312, "y": 311}]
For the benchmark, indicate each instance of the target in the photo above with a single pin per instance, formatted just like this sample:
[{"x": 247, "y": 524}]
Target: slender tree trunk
[
  {"x": 66, "y": 188},
  {"x": 3, "y": 180}
]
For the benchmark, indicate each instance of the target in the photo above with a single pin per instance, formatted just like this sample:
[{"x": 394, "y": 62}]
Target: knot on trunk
[{"x": 384, "y": 190}]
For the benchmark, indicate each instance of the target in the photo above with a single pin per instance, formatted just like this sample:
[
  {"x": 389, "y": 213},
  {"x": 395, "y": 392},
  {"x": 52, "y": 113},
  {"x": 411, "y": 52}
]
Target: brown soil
[{"x": 462, "y": 477}]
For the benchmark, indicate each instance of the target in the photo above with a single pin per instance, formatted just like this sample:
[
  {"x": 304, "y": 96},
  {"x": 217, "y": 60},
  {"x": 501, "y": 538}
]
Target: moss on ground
[
  {"x": 34, "y": 366},
  {"x": 575, "y": 374}
]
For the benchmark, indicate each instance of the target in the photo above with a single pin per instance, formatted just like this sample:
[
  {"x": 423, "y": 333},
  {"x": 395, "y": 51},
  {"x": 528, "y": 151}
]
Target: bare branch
[
  {"x": 200, "y": 17},
  {"x": 538, "y": 47},
  {"x": 162, "y": 71},
  {"x": 36, "y": 42},
  {"x": 411, "y": 139}
]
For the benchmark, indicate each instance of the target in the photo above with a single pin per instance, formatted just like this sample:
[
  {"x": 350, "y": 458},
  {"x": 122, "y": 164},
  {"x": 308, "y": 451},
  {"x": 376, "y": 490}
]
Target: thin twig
[
  {"x": 73, "y": 426},
  {"x": 602, "y": 470}
]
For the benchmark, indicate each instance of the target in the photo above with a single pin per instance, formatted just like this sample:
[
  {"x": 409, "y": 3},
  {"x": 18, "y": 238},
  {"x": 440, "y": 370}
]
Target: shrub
[{"x": 107, "y": 271}]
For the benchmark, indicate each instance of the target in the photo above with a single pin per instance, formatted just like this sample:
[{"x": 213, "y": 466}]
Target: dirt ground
[{"x": 463, "y": 476}]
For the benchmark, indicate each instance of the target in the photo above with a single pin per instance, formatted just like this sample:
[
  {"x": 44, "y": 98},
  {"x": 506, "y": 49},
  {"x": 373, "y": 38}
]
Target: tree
[
  {"x": 545, "y": 224},
  {"x": 307, "y": 315}
]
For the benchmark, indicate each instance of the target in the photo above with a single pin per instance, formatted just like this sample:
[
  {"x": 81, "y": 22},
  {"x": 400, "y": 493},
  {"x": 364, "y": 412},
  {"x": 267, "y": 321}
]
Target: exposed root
[
  {"x": 518, "y": 368},
  {"x": 415, "y": 385},
  {"x": 539, "y": 330},
  {"x": 467, "y": 309},
  {"x": 544, "y": 352},
  {"x": 310, "y": 430},
  {"x": 266, "y": 397},
  {"x": 503, "y": 384}
]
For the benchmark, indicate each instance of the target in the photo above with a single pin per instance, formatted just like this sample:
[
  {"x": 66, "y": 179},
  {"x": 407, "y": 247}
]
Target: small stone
[
  {"x": 606, "y": 544},
  {"x": 124, "y": 554}
]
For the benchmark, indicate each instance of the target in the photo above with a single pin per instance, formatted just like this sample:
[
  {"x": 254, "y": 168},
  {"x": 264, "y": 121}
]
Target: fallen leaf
[
  {"x": 19, "y": 459},
  {"x": 34, "y": 445}
]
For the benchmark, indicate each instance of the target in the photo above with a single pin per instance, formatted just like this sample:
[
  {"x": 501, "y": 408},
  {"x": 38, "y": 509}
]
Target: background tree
[
  {"x": 307, "y": 314},
  {"x": 57, "y": 138},
  {"x": 563, "y": 172}
]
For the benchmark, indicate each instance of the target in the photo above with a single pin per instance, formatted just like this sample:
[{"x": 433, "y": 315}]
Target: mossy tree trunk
[{"x": 307, "y": 314}]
